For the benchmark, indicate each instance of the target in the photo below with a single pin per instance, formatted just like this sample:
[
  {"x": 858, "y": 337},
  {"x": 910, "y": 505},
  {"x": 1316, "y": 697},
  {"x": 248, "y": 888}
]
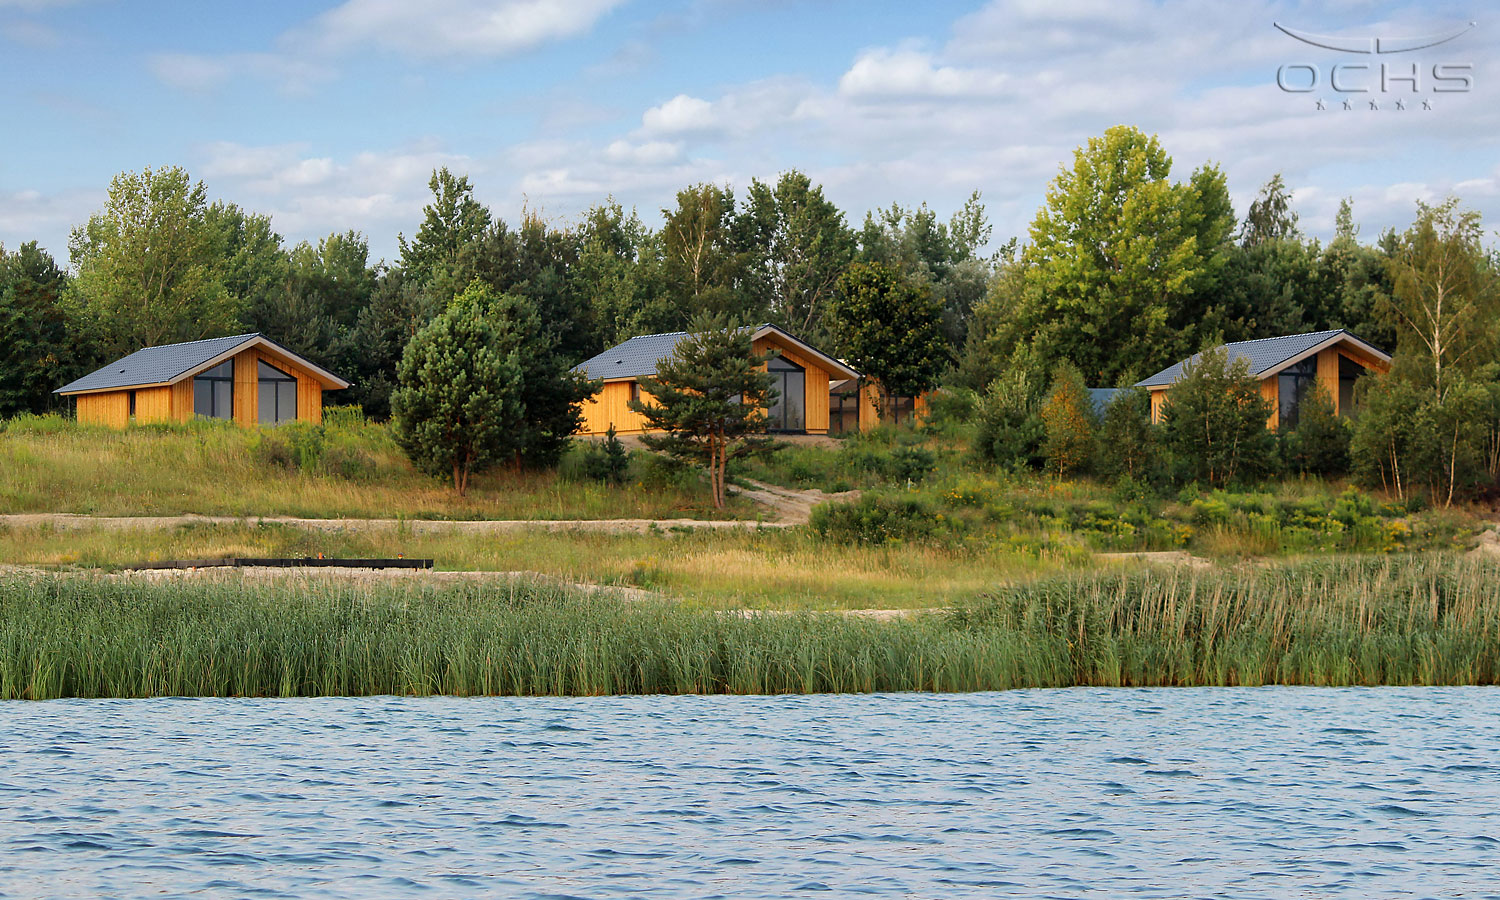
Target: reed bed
[{"x": 1423, "y": 620}]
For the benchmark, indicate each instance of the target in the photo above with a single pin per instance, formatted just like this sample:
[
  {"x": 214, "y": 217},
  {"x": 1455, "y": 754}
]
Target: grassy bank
[
  {"x": 772, "y": 569},
  {"x": 1426, "y": 620},
  {"x": 348, "y": 468}
]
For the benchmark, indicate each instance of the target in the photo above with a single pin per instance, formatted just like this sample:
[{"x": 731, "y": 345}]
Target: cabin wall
[
  {"x": 182, "y": 400},
  {"x": 152, "y": 405},
  {"x": 815, "y": 383},
  {"x": 1270, "y": 391},
  {"x": 609, "y": 406},
  {"x": 110, "y": 408}
]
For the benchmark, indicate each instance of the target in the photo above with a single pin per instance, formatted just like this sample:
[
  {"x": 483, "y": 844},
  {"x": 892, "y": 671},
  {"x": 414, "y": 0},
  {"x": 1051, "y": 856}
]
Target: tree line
[{"x": 1127, "y": 268}]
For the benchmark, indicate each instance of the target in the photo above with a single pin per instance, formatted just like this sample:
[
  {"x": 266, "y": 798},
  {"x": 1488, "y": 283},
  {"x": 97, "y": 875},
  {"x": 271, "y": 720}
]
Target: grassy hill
[{"x": 347, "y": 468}]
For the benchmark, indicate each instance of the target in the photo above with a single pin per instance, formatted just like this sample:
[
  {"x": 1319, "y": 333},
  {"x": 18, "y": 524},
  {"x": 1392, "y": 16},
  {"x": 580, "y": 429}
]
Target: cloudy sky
[{"x": 331, "y": 116}]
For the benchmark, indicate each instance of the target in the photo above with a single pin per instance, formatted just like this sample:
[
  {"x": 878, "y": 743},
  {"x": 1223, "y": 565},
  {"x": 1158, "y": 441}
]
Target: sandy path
[
  {"x": 791, "y": 507},
  {"x": 75, "y": 522}
]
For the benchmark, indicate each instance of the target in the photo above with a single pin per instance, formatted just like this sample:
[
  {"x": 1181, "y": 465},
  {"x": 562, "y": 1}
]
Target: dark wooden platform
[{"x": 288, "y": 563}]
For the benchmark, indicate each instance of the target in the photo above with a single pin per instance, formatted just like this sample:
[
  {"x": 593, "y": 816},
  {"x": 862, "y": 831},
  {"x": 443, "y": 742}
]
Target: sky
[{"x": 331, "y": 116}]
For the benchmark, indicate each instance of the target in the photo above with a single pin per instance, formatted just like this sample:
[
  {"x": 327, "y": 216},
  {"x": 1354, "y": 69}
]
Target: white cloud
[
  {"x": 200, "y": 73},
  {"x": 438, "y": 29},
  {"x": 682, "y": 114},
  {"x": 910, "y": 73},
  {"x": 648, "y": 153}
]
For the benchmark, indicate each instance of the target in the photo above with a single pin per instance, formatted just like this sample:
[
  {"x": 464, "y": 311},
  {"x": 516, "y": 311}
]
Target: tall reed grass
[{"x": 1387, "y": 621}]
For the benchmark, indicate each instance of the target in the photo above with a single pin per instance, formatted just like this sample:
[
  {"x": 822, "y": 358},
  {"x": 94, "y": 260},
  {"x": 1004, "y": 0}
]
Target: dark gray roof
[
  {"x": 641, "y": 355},
  {"x": 632, "y": 359},
  {"x": 1264, "y": 356},
  {"x": 155, "y": 365}
]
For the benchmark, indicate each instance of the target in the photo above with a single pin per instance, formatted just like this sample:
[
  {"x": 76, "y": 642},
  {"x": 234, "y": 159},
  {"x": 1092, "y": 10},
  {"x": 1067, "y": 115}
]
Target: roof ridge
[
  {"x": 223, "y": 337},
  {"x": 1282, "y": 337}
]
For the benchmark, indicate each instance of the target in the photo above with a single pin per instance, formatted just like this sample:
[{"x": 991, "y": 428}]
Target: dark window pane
[
  {"x": 223, "y": 400},
  {"x": 286, "y": 402},
  {"x": 266, "y": 403},
  {"x": 795, "y": 387},
  {"x": 203, "y": 397}
]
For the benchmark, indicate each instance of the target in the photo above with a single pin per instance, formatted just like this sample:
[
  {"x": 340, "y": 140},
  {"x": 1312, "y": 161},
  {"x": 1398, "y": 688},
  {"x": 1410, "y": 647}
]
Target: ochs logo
[{"x": 1375, "y": 75}]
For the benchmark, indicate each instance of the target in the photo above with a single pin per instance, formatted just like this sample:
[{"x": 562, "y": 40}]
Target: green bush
[
  {"x": 878, "y": 519},
  {"x": 605, "y": 461}
]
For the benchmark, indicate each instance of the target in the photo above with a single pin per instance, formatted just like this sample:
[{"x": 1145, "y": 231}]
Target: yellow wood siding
[
  {"x": 1328, "y": 374},
  {"x": 111, "y": 408},
  {"x": 869, "y": 405},
  {"x": 309, "y": 399},
  {"x": 182, "y": 400},
  {"x": 1270, "y": 391},
  {"x": 609, "y": 406},
  {"x": 153, "y": 405},
  {"x": 246, "y": 390}
]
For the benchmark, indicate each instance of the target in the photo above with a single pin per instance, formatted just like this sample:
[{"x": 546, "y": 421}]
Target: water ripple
[{"x": 1253, "y": 793}]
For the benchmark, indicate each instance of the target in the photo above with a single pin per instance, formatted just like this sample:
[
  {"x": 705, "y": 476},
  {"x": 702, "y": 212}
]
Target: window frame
[
  {"x": 261, "y": 381},
  {"x": 210, "y": 380}
]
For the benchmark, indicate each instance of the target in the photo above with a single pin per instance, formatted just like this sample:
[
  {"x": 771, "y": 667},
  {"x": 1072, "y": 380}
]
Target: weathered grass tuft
[{"x": 1417, "y": 620}]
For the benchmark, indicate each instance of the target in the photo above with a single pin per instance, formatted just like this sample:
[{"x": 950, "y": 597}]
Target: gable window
[
  {"x": 787, "y": 412},
  {"x": 278, "y": 395},
  {"x": 1294, "y": 383},
  {"x": 635, "y": 392},
  {"x": 213, "y": 392}
]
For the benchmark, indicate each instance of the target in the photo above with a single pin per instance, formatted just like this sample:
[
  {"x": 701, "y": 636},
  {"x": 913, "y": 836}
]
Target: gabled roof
[
  {"x": 641, "y": 355},
  {"x": 1267, "y": 356},
  {"x": 170, "y": 363}
]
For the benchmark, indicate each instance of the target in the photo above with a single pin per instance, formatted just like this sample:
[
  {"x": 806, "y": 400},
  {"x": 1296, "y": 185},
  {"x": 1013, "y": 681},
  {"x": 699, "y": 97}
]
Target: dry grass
[
  {"x": 211, "y": 469},
  {"x": 770, "y": 569}
]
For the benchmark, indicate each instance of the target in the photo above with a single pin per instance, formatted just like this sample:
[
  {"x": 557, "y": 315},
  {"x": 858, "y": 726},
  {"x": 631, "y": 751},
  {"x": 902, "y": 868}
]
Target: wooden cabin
[
  {"x": 1287, "y": 368},
  {"x": 246, "y": 378},
  {"x": 814, "y": 389}
]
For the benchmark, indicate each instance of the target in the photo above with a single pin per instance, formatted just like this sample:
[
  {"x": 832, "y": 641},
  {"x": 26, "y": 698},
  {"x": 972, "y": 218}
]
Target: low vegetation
[
  {"x": 1401, "y": 620},
  {"x": 346, "y": 468}
]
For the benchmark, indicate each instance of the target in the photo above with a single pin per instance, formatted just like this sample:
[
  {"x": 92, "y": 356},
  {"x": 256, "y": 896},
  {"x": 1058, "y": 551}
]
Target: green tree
[
  {"x": 709, "y": 397},
  {"x": 944, "y": 256},
  {"x": 889, "y": 330},
  {"x": 151, "y": 264},
  {"x": 1113, "y": 252},
  {"x": 1214, "y": 421},
  {"x": 1010, "y": 431},
  {"x": 619, "y": 275},
  {"x": 544, "y": 411},
  {"x": 458, "y": 394},
  {"x": 40, "y": 351},
  {"x": 1067, "y": 414},
  {"x": 707, "y": 255},
  {"x": 450, "y": 223},
  {"x": 373, "y": 348},
  {"x": 805, "y": 245},
  {"x": 1444, "y": 295},
  {"x": 1270, "y": 217},
  {"x": 1126, "y": 438},
  {"x": 1319, "y": 444}
]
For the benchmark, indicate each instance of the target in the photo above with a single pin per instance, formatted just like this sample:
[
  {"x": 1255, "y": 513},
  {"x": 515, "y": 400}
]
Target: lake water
[{"x": 1273, "y": 792}]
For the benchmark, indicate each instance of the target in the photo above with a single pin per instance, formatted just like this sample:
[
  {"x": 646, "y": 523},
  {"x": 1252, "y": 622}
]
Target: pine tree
[
  {"x": 710, "y": 398},
  {"x": 1068, "y": 416}
]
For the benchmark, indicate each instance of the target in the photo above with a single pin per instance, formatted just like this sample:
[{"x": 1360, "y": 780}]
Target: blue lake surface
[{"x": 1244, "y": 793}]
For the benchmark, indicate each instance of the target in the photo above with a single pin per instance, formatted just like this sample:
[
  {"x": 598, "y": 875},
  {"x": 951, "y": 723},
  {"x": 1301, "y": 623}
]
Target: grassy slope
[{"x": 212, "y": 469}]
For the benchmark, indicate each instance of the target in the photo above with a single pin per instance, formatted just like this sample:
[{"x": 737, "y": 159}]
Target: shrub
[
  {"x": 1011, "y": 432},
  {"x": 1126, "y": 442},
  {"x": 606, "y": 461},
  {"x": 296, "y": 446},
  {"x": 876, "y": 519},
  {"x": 1319, "y": 444}
]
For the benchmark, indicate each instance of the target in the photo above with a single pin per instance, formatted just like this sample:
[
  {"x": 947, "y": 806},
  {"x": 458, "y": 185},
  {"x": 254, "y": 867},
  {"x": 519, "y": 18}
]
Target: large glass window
[
  {"x": 278, "y": 395},
  {"x": 788, "y": 411},
  {"x": 1295, "y": 382},
  {"x": 213, "y": 392},
  {"x": 1349, "y": 373}
]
